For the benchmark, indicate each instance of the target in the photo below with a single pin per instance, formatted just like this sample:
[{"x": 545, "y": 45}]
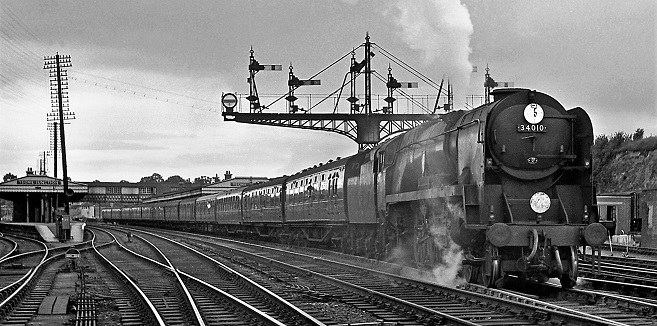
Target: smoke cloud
[
  {"x": 451, "y": 257},
  {"x": 441, "y": 29}
]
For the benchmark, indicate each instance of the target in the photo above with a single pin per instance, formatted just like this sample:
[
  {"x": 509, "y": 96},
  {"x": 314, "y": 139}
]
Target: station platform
[{"x": 43, "y": 231}]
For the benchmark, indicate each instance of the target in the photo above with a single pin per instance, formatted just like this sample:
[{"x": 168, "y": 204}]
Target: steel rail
[
  {"x": 12, "y": 250},
  {"x": 188, "y": 296},
  {"x": 255, "y": 311},
  {"x": 264, "y": 290},
  {"x": 133, "y": 287},
  {"x": 31, "y": 276},
  {"x": 594, "y": 320}
]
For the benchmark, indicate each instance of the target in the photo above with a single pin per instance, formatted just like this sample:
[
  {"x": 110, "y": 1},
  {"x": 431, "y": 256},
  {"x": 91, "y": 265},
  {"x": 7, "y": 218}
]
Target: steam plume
[
  {"x": 441, "y": 29},
  {"x": 447, "y": 269}
]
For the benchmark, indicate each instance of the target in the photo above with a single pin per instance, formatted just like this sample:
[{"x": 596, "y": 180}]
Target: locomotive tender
[{"x": 509, "y": 182}]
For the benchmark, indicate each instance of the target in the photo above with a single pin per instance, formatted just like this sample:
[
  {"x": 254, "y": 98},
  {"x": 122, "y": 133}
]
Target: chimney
[
  {"x": 29, "y": 171},
  {"x": 228, "y": 175}
]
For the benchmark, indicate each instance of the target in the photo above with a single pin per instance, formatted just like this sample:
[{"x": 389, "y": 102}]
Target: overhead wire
[
  {"x": 146, "y": 87},
  {"x": 391, "y": 57},
  {"x": 19, "y": 21},
  {"x": 316, "y": 74},
  {"x": 19, "y": 45},
  {"x": 339, "y": 89},
  {"x": 17, "y": 35},
  {"x": 410, "y": 69},
  {"x": 20, "y": 64},
  {"x": 14, "y": 107},
  {"x": 406, "y": 95},
  {"x": 20, "y": 36},
  {"x": 149, "y": 96}
]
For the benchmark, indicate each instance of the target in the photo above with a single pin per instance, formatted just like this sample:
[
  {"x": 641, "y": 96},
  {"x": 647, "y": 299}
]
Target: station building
[{"x": 36, "y": 197}]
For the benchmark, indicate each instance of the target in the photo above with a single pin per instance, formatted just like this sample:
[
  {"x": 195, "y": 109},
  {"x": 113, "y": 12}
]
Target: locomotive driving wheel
[
  {"x": 491, "y": 269},
  {"x": 423, "y": 241},
  {"x": 421, "y": 250},
  {"x": 470, "y": 271}
]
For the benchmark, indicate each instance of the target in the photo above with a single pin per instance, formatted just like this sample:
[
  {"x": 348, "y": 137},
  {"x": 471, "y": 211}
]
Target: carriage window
[{"x": 330, "y": 187}]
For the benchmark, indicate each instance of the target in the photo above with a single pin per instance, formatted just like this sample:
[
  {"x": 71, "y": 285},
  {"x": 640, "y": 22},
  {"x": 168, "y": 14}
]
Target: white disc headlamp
[{"x": 540, "y": 202}]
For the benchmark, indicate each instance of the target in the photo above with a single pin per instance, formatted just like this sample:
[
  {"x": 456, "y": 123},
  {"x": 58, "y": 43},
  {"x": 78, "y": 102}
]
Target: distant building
[{"x": 37, "y": 197}]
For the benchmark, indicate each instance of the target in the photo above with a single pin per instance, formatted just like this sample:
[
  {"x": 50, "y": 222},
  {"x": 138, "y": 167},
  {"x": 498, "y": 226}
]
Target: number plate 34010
[{"x": 532, "y": 128}]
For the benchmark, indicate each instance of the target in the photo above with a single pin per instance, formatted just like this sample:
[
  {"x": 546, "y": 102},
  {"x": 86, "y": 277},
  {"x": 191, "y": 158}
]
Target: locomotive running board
[{"x": 470, "y": 192}]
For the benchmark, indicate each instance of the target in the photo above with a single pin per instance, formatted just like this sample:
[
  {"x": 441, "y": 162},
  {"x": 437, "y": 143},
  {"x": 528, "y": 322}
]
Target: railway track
[
  {"x": 42, "y": 275},
  {"x": 383, "y": 294},
  {"x": 635, "y": 250},
  {"x": 218, "y": 296},
  {"x": 17, "y": 264},
  {"x": 309, "y": 284},
  {"x": 155, "y": 286},
  {"x": 7, "y": 247},
  {"x": 114, "y": 290},
  {"x": 543, "y": 311},
  {"x": 29, "y": 274},
  {"x": 637, "y": 277},
  {"x": 614, "y": 308},
  {"x": 637, "y": 267}
]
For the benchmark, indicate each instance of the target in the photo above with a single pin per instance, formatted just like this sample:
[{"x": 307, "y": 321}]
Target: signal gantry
[{"x": 363, "y": 124}]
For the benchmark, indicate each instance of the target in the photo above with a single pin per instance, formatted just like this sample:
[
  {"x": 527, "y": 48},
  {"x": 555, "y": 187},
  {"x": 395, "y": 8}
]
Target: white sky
[{"x": 133, "y": 60}]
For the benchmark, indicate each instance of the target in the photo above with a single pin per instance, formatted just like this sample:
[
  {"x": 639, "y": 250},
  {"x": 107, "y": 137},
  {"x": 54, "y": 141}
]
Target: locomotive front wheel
[
  {"x": 568, "y": 280},
  {"x": 491, "y": 268}
]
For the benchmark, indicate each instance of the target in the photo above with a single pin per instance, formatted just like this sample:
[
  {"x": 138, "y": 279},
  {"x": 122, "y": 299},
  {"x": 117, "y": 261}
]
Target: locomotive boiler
[{"x": 510, "y": 182}]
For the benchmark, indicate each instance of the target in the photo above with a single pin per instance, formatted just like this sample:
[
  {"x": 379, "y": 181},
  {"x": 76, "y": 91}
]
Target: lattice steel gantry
[
  {"x": 363, "y": 125},
  {"x": 366, "y": 130}
]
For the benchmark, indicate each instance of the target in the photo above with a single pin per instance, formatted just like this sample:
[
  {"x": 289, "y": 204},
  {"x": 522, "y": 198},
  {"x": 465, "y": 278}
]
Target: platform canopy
[
  {"x": 36, "y": 197},
  {"x": 40, "y": 184}
]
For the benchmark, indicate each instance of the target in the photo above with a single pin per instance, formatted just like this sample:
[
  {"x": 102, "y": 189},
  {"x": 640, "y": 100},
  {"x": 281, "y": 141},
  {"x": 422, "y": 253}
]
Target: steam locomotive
[{"x": 509, "y": 182}]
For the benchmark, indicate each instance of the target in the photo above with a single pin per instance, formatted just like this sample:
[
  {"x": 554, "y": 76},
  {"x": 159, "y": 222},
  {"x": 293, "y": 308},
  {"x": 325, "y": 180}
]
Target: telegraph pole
[
  {"x": 60, "y": 77},
  {"x": 53, "y": 141}
]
